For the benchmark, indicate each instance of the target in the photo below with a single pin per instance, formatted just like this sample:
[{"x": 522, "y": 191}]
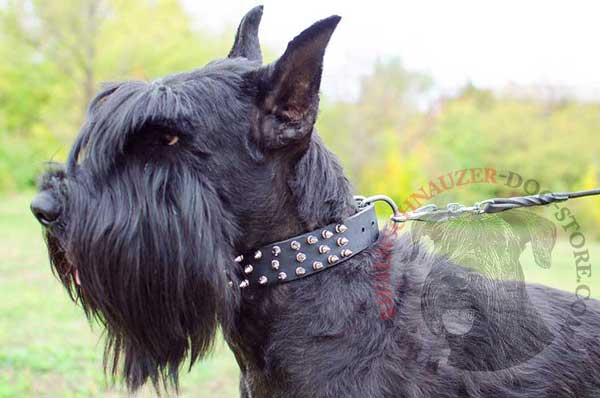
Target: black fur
[{"x": 168, "y": 180}]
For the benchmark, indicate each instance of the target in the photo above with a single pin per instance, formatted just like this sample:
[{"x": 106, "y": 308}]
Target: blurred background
[{"x": 411, "y": 91}]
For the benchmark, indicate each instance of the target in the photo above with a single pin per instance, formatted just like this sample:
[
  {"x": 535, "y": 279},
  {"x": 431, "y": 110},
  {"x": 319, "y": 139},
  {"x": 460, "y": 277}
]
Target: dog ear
[
  {"x": 288, "y": 90},
  {"x": 246, "y": 42},
  {"x": 535, "y": 229}
]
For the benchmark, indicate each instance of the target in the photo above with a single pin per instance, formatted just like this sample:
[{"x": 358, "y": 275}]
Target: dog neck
[
  {"x": 298, "y": 193},
  {"x": 312, "y": 194},
  {"x": 304, "y": 255},
  {"x": 307, "y": 221},
  {"x": 278, "y": 313}
]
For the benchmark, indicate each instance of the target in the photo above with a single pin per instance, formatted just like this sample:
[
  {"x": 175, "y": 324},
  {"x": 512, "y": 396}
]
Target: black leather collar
[{"x": 309, "y": 253}]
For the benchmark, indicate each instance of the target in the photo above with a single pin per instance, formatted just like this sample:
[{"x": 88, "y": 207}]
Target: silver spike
[
  {"x": 263, "y": 280},
  {"x": 248, "y": 269},
  {"x": 324, "y": 249},
  {"x": 257, "y": 255},
  {"x": 341, "y": 228},
  {"x": 326, "y": 234},
  {"x": 276, "y": 250},
  {"x": 300, "y": 257},
  {"x": 300, "y": 271},
  {"x": 245, "y": 283},
  {"x": 295, "y": 245},
  {"x": 239, "y": 259},
  {"x": 343, "y": 241},
  {"x": 346, "y": 253},
  {"x": 281, "y": 276},
  {"x": 311, "y": 239},
  {"x": 275, "y": 264},
  {"x": 317, "y": 265},
  {"x": 332, "y": 259}
]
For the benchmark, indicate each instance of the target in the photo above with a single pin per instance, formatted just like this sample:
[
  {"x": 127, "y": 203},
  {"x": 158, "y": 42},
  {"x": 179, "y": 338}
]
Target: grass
[{"x": 47, "y": 349}]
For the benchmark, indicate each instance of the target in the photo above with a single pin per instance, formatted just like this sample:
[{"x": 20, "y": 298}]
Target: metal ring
[
  {"x": 360, "y": 200},
  {"x": 386, "y": 199}
]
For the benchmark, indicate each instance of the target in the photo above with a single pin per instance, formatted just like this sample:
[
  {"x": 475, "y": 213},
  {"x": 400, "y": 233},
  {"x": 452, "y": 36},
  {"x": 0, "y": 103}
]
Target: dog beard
[{"x": 145, "y": 254}]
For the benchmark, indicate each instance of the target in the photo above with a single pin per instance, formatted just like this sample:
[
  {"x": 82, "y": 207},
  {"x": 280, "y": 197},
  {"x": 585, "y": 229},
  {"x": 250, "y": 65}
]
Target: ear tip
[
  {"x": 258, "y": 9},
  {"x": 246, "y": 43},
  {"x": 330, "y": 22},
  {"x": 320, "y": 32},
  {"x": 323, "y": 28},
  {"x": 335, "y": 18},
  {"x": 255, "y": 14}
]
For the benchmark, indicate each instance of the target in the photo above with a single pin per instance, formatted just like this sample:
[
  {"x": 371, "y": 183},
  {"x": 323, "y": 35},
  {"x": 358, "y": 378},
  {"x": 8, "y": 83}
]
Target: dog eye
[{"x": 169, "y": 139}]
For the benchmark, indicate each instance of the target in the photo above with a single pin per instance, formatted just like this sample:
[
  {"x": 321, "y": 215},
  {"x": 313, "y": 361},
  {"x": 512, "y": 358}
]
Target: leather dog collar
[{"x": 309, "y": 253}]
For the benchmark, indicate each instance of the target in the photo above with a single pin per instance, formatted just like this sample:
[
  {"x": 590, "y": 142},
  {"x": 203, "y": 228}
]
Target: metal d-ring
[{"x": 397, "y": 216}]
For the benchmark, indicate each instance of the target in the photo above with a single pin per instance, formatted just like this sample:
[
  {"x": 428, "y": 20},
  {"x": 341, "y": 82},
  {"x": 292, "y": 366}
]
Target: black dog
[{"x": 168, "y": 182}]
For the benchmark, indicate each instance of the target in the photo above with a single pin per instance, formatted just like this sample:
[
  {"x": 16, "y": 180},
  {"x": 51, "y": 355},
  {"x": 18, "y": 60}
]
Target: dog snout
[{"x": 45, "y": 208}]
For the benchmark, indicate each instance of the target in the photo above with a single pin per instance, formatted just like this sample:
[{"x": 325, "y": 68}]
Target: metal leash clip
[
  {"x": 420, "y": 213},
  {"x": 397, "y": 216},
  {"x": 430, "y": 212}
]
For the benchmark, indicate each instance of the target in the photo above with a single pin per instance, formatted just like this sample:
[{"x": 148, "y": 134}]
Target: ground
[{"x": 47, "y": 348}]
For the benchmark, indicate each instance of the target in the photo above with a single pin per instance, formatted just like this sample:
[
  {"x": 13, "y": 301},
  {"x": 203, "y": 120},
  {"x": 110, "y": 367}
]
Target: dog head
[{"x": 168, "y": 180}]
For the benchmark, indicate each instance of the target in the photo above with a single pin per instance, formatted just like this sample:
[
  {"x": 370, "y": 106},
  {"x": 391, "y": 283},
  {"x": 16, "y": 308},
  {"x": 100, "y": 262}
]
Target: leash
[{"x": 431, "y": 212}]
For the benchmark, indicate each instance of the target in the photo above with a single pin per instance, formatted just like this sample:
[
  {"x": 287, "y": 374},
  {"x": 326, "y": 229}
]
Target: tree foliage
[
  {"x": 392, "y": 139},
  {"x": 56, "y": 55},
  {"x": 390, "y": 144}
]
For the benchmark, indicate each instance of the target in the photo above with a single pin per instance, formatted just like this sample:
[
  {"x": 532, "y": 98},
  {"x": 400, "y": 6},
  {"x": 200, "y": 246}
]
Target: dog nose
[{"x": 45, "y": 208}]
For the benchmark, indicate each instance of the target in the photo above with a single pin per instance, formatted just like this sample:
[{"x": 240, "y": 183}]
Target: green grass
[{"x": 47, "y": 348}]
